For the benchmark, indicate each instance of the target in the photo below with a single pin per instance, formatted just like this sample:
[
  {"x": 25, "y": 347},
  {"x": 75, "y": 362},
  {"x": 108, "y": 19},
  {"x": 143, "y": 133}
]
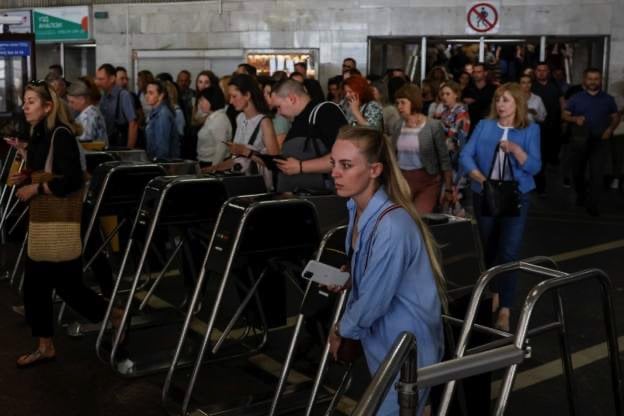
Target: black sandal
[{"x": 38, "y": 359}]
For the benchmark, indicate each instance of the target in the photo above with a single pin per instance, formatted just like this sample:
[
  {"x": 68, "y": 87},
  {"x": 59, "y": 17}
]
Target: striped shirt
[{"x": 408, "y": 148}]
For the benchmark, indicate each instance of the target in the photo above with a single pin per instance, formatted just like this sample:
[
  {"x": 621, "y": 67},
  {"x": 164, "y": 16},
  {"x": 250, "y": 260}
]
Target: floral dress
[
  {"x": 372, "y": 111},
  {"x": 456, "y": 125}
]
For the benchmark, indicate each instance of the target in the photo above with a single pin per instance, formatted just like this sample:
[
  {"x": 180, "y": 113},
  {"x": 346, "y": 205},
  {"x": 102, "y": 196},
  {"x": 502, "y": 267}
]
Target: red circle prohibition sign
[{"x": 486, "y": 17}]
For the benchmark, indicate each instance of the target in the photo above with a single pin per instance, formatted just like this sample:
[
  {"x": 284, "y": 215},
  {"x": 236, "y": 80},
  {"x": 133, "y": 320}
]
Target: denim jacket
[{"x": 162, "y": 139}]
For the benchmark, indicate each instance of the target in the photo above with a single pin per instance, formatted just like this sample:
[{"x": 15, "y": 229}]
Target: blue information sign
[{"x": 14, "y": 48}]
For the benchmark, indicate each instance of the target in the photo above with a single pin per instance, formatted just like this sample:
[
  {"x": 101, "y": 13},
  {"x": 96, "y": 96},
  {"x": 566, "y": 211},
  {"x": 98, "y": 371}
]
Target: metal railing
[
  {"x": 497, "y": 357},
  {"x": 403, "y": 357}
]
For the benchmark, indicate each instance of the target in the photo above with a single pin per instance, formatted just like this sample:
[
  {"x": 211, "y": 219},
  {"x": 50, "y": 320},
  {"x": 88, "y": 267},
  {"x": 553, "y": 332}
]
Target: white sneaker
[{"x": 615, "y": 184}]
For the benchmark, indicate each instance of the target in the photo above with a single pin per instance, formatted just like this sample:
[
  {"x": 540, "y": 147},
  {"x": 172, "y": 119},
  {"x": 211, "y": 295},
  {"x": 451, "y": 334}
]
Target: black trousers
[
  {"x": 550, "y": 146},
  {"x": 41, "y": 278},
  {"x": 592, "y": 153}
]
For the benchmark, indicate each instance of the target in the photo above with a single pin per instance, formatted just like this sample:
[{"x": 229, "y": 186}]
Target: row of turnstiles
[{"x": 206, "y": 268}]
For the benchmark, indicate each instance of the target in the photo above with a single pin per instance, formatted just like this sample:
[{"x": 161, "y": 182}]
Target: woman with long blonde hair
[
  {"x": 396, "y": 278},
  {"x": 54, "y": 192}
]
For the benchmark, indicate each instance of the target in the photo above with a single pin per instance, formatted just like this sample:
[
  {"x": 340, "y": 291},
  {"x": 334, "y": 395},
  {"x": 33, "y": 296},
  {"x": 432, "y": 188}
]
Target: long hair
[
  {"x": 214, "y": 80},
  {"x": 60, "y": 113},
  {"x": 247, "y": 84},
  {"x": 521, "y": 119},
  {"x": 377, "y": 148}
]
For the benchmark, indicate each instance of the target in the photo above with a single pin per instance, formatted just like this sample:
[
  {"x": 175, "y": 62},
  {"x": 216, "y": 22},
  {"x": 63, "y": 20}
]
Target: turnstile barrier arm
[
  {"x": 601, "y": 278},
  {"x": 471, "y": 312}
]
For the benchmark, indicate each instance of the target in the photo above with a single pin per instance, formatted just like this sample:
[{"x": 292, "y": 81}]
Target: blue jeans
[{"x": 501, "y": 239}]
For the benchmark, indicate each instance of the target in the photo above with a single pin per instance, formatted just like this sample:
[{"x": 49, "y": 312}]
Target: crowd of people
[{"x": 396, "y": 148}]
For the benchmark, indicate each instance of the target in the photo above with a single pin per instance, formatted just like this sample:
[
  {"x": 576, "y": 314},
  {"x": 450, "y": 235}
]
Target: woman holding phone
[
  {"x": 254, "y": 131},
  {"x": 397, "y": 283}
]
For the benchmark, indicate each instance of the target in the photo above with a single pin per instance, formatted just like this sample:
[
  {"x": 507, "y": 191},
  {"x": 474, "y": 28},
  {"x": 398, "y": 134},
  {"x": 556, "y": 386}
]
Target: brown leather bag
[{"x": 349, "y": 351}]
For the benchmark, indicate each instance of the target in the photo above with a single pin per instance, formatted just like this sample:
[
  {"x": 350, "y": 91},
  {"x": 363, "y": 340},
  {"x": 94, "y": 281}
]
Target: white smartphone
[{"x": 324, "y": 274}]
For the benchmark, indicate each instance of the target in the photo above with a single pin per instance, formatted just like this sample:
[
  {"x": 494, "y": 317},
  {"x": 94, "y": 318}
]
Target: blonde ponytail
[{"x": 378, "y": 149}]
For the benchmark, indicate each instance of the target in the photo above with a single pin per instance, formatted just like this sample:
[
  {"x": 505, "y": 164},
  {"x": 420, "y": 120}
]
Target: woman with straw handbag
[{"x": 53, "y": 190}]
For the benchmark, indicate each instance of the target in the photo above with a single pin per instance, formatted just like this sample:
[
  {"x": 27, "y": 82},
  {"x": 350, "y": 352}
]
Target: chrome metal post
[
  {"x": 298, "y": 325},
  {"x": 118, "y": 334},
  {"x": 189, "y": 315},
  {"x": 385, "y": 375},
  {"x": 566, "y": 352},
  {"x": 609, "y": 320},
  {"x": 325, "y": 355},
  {"x": 471, "y": 312},
  {"x": 214, "y": 313},
  {"x": 407, "y": 388}
]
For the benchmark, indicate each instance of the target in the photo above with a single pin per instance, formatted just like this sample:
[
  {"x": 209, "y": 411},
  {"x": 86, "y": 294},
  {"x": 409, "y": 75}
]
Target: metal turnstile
[
  {"x": 176, "y": 210},
  {"x": 253, "y": 242},
  {"x": 315, "y": 302},
  {"x": 114, "y": 192}
]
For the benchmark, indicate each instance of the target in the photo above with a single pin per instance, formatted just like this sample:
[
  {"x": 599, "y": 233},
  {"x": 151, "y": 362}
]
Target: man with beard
[{"x": 593, "y": 116}]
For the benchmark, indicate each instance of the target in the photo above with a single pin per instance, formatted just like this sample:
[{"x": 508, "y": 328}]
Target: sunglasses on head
[{"x": 40, "y": 83}]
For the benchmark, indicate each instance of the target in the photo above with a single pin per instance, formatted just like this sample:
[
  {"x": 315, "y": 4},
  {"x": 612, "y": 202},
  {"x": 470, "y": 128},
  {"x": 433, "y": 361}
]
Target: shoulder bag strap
[
  {"x": 50, "y": 157},
  {"x": 493, "y": 161},
  {"x": 370, "y": 244},
  {"x": 507, "y": 163},
  {"x": 312, "y": 123},
  {"x": 254, "y": 134},
  {"x": 379, "y": 218}
]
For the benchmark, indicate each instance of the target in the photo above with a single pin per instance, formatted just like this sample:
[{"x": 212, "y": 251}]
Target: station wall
[{"x": 338, "y": 28}]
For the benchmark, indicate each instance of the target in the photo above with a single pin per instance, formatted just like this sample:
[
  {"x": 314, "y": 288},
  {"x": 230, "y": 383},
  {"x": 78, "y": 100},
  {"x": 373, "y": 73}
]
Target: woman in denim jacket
[{"x": 161, "y": 133}]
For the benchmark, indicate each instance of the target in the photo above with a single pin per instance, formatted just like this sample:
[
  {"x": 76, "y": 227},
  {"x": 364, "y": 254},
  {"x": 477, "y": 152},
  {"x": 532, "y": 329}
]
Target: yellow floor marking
[
  {"x": 588, "y": 251},
  {"x": 554, "y": 368}
]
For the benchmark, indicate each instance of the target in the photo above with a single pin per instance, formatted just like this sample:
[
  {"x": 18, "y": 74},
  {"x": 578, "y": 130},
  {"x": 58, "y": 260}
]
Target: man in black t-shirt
[
  {"x": 310, "y": 139},
  {"x": 550, "y": 129},
  {"x": 478, "y": 95}
]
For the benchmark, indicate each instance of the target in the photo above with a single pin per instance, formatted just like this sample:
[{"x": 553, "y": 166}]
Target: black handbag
[{"x": 500, "y": 197}]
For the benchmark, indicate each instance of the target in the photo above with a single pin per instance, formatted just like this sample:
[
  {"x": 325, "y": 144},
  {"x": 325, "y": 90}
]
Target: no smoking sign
[{"x": 482, "y": 17}]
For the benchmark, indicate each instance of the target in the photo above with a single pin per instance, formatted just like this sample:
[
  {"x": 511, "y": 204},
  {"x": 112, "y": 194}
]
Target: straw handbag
[{"x": 54, "y": 227}]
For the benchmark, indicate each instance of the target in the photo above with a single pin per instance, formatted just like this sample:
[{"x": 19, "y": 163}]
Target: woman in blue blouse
[
  {"x": 508, "y": 126},
  {"x": 161, "y": 133},
  {"x": 396, "y": 278}
]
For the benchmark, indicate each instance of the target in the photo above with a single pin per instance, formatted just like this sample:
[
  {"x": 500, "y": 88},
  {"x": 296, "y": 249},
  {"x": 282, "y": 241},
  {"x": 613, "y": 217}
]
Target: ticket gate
[
  {"x": 115, "y": 190},
  {"x": 255, "y": 240},
  {"x": 182, "y": 209},
  {"x": 95, "y": 159}
]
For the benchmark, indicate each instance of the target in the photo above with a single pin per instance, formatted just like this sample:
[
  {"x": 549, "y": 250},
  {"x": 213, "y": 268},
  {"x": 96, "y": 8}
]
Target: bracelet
[
  {"x": 300, "y": 166},
  {"x": 40, "y": 189}
]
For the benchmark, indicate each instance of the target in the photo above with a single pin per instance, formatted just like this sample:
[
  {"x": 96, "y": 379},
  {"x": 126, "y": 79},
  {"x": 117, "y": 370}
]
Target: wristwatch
[{"x": 40, "y": 189}]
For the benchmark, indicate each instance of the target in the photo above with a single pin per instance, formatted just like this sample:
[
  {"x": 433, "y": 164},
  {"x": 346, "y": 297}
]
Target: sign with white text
[{"x": 61, "y": 24}]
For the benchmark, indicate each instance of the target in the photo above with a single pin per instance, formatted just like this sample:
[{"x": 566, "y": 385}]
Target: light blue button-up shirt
[{"x": 396, "y": 292}]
